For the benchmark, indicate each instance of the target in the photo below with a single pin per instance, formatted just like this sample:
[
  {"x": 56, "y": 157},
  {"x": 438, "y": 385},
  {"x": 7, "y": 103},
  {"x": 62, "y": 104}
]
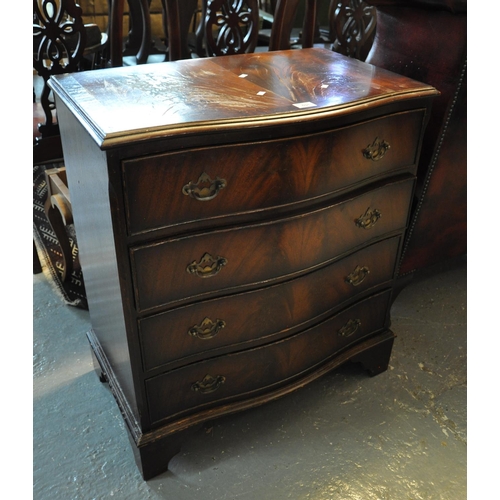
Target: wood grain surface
[{"x": 160, "y": 100}]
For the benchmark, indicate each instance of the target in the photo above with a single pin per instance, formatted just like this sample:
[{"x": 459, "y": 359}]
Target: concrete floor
[{"x": 400, "y": 435}]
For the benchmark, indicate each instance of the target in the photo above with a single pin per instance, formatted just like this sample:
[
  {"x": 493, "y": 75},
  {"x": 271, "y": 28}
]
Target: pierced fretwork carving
[
  {"x": 228, "y": 27},
  {"x": 59, "y": 40},
  {"x": 352, "y": 27}
]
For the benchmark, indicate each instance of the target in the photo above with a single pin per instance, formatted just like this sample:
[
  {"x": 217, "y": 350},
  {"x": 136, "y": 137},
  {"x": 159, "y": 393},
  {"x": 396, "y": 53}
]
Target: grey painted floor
[{"x": 400, "y": 435}]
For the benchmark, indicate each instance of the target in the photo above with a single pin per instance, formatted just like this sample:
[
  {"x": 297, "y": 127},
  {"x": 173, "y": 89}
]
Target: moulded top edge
[{"x": 166, "y": 99}]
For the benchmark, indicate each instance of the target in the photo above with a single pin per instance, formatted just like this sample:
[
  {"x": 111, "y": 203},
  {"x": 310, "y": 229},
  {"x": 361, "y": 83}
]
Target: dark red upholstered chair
[{"x": 427, "y": 40}]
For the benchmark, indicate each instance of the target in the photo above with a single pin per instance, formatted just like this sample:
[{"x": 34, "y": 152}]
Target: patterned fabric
[{"x": 72, "y": 291}]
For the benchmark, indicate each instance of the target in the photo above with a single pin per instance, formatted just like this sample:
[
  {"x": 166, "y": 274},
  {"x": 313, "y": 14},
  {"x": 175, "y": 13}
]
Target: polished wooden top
[{"x": 248, "y": 90}]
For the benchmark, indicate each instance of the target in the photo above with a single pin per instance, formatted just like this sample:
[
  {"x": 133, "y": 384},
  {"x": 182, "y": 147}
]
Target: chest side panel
[{"x": 92, "y": 206}]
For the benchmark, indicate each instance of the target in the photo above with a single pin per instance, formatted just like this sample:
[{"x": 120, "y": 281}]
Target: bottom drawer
[{"x": 206, "y": 383}]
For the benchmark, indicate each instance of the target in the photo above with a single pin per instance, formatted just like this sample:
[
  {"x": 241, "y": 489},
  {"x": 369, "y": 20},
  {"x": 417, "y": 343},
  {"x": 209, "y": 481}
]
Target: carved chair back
[
  {"x": 179, "y": 16},
  {"x": 59, "y": 40},
  {"x": 62, "y": 43},
  {"x": 225, "y": 27},
  {"x": 228, "y": 27},
  {"x": 351, "y": 26},
  {"x": 284, "y": 22}
]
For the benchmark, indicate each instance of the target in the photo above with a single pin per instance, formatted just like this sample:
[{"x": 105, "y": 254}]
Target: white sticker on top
[
  {"x": 302, "y": 105},
  {"x": 261, "y": 93},
  {"x": 243, "y": 75}
]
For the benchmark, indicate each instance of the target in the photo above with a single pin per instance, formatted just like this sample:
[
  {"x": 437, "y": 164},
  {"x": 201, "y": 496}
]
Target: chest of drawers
[{"x": 239, "y": 222}]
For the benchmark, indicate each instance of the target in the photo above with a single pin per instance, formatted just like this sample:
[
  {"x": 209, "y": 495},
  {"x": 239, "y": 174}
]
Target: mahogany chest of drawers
[{"x": 239, "y": 221}]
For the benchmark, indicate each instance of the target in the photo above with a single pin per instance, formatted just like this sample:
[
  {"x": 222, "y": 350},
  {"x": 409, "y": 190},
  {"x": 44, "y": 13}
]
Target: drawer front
[
  {"x": 205, "y": 184},
  {"x": 203, "y": 384},
  {"x": 216, "y": 263},
  {"x": 275, "y": 311}
]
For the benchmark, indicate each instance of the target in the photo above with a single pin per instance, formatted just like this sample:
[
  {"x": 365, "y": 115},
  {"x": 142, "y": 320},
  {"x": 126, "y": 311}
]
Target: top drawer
[{"x": 211, "y": 183}]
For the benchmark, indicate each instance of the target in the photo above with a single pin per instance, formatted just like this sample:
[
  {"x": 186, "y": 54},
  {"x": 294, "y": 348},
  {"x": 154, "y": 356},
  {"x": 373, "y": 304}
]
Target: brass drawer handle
[
  {"x": 207, "y": 329},
  {"x": 208, "y": 384},
  {"x": 207, "y": 267},
  {"x": 376, "y": 150},
  {"x": 369, "y": 218},
  {"x": 205, "y": 189},
  {"x": 350, "y": 328},
  {"x": 357, "y": 276}
]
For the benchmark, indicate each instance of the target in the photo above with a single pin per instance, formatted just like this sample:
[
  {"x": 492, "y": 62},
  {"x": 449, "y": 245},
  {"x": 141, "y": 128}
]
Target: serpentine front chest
[{"x": 239, "y": 221}]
